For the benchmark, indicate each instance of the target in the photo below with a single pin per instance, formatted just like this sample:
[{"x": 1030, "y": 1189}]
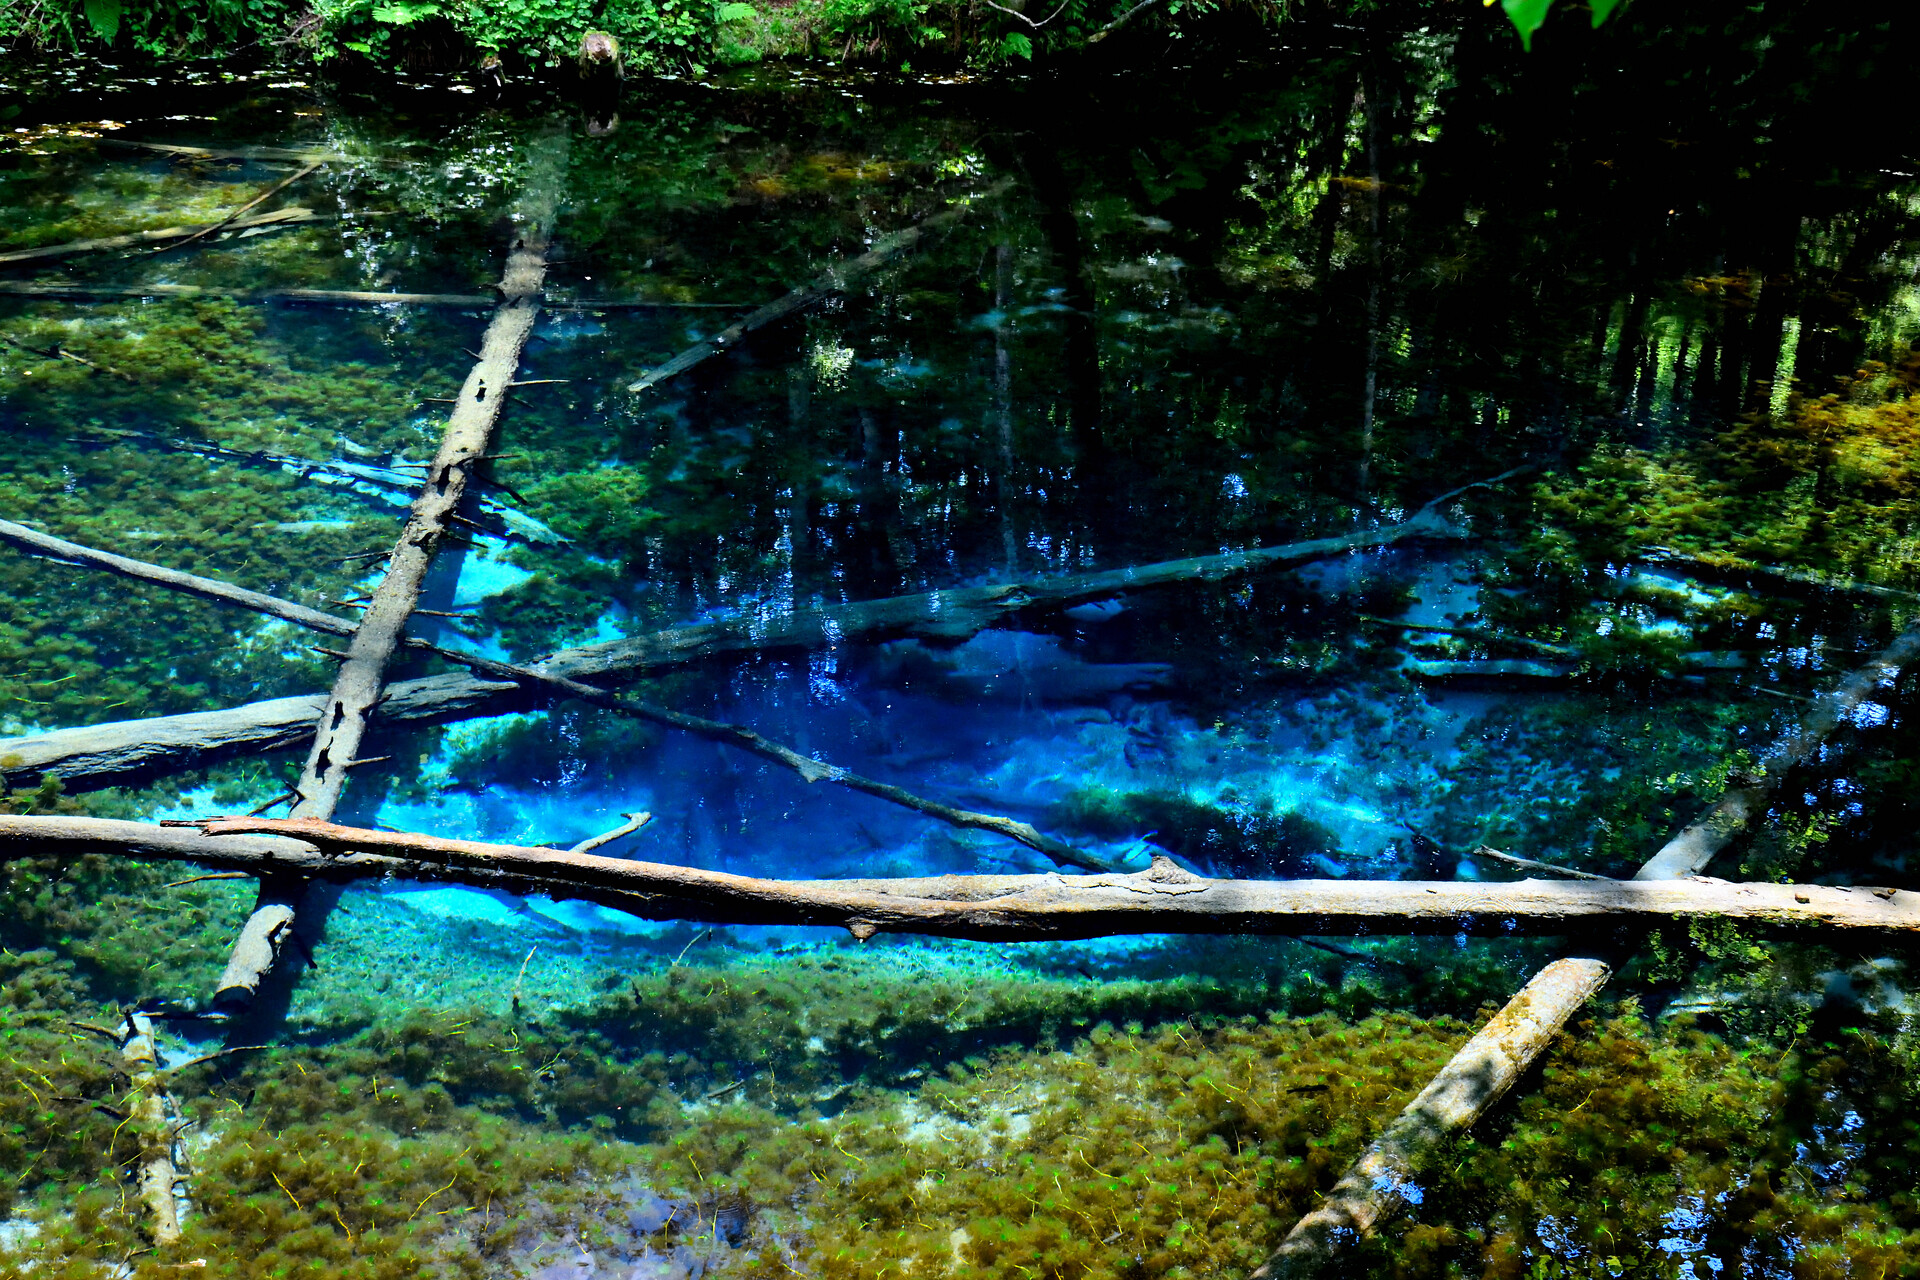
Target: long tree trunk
[
  {"x": 998, "y": 908},
  {"x": 344, "y": 716}
]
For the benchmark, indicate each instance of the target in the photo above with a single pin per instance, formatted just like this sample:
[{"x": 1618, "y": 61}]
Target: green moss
[{"x": 1251, "y": 839}]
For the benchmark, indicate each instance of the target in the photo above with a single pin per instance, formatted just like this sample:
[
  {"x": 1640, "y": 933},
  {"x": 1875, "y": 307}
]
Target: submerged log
[
  {"x": 254, "y": 203},
  {"x": 339, "y": 297},
  {"x": 73, "y": 248},
  {"x": 835, "y": 279},
  {"x": 302, "y": 155},
  {"x": 151, "y": 1115},
  {"x": 1747, "y": 799},
  {"x": 808, "y": 768},
  {"x": 102, "y": 755},
  {"x": 1381, "y": 1184},
  {"x": 1373, "y": 1190},
  {"x": 342, "y": 723},
  {"x": 1001, "y": 908}
]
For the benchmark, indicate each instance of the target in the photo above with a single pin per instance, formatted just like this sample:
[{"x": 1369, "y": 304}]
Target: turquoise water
[{"x": 1187, "y": 311}]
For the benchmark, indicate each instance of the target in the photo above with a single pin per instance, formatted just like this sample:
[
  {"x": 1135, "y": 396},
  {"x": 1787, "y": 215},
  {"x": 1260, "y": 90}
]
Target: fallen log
[
  {"x": 100, "y": 755},
  {"x": 339, "y": 297},
  {"x": 1373, "y": 1190},
  {"x": 835, "y": 279},
  {"x": 1746, "y": 799},
  {"x": 278, "y": 218},
  {"x": 301, "y": 155},
  {"x": 1003, "y": 908},
  {"x": 738, "y": 736},
  {"x": 358, "y": 684},
  {"x": 1380, "y": 1185},
  {"x": 152, "y": 1115}
]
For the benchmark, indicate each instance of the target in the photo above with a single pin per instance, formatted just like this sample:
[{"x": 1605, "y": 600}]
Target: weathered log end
[
  {"x": 257, "y": 950},
  {"x": 1381, "y": 1184}
]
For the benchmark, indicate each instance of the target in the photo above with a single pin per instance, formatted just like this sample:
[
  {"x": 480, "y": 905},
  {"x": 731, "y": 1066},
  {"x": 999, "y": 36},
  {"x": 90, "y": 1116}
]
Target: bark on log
[
  {"x": 360, "y": 681},
  {"x": 835, "y": 279},
  {"x": 1381, "y": 1184},
  {"x": 152, "y": 1115},
  {"x": 339, "y": 297},
  {"x": 47, "y": 253},
  {"x": 738, "y": 736},
  {"x": 999, "y": 908},
  {"x": 101, "y": 755}
]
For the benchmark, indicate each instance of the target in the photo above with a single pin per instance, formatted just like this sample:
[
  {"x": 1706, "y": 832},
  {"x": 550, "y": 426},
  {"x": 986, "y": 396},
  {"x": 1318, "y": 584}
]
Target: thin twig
[
  {"x": 521, "y": 976},
  {"x": 683, "y": 951},
  {"x": 217, "y": 1053},
  {"x": 1483, "y": 851},
  {"x": 218, "y": 875},
  {"x": 634, "y": 821}
]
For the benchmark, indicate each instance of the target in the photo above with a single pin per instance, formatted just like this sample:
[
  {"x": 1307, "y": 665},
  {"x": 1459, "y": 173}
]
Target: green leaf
[
  {"x": 1016, "y": 46},
  {"x": 399, "y": 15},
  {"x": 1527, "y": 15},
  {"x": 104, "y": 17},
  {"x": 735, "y": 12},
  {"x": 1603, "y": 9}
]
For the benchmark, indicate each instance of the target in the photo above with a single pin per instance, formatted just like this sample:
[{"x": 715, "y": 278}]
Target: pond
[{"x": 1592, "y": 366}]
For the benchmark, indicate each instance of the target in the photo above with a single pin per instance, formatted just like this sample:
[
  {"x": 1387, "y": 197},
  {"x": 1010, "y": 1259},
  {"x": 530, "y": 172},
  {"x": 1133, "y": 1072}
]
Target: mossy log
[
  {"x": 1382, "y": 1183},
  {"x": 151, "y": 1116},
  {"x": 344, "y": 715},
  {"x": 995, "y": 908},
  {"x": 738, "y": 736},
  {"x": 108, "y": 754},
  {"x": 59, "y": 290},
  {"x": 835, "y": 279},
  {"x": 73, "y": 248}
]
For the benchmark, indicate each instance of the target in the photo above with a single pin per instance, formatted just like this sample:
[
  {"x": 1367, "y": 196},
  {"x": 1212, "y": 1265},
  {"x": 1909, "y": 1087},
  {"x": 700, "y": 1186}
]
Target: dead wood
[
  {"x": 1475, "y": 635},
  {"x": 1003, "y": 908},
  {"x": 279, "y": 217},
  {"x": 1746, "y": 799},
  {"x": 738, "y": 736},
  {"x": 634, "y": 821},
  {"x": 254, "y": 203},
  {"x": 1381, "y": 1184},
  {"x": 61, "y": 353},
  {"x": 835, "y": 279},
  {"x": 339, "y": 297},
  {"x": 357, "y": 686},
  {"x": 99, "y": 755},
  {"x": 300, "y": 155},
  {"x": 1529, "y": 864},
  {"x": 151, "y": 1115},
  {"x": 1374, "y": 1189}
]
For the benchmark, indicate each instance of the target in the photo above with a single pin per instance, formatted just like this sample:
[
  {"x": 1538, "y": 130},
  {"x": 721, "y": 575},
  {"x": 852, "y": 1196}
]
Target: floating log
[
  {"x": 835, "y": 279},
  {"x": 995, "y": 908},
  {"x": 1746, "y": 799},
  {"x": 1380, "y": 1184},
  {"x": 278, "y": 218},
  {"x": 337, "y": 297}
]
